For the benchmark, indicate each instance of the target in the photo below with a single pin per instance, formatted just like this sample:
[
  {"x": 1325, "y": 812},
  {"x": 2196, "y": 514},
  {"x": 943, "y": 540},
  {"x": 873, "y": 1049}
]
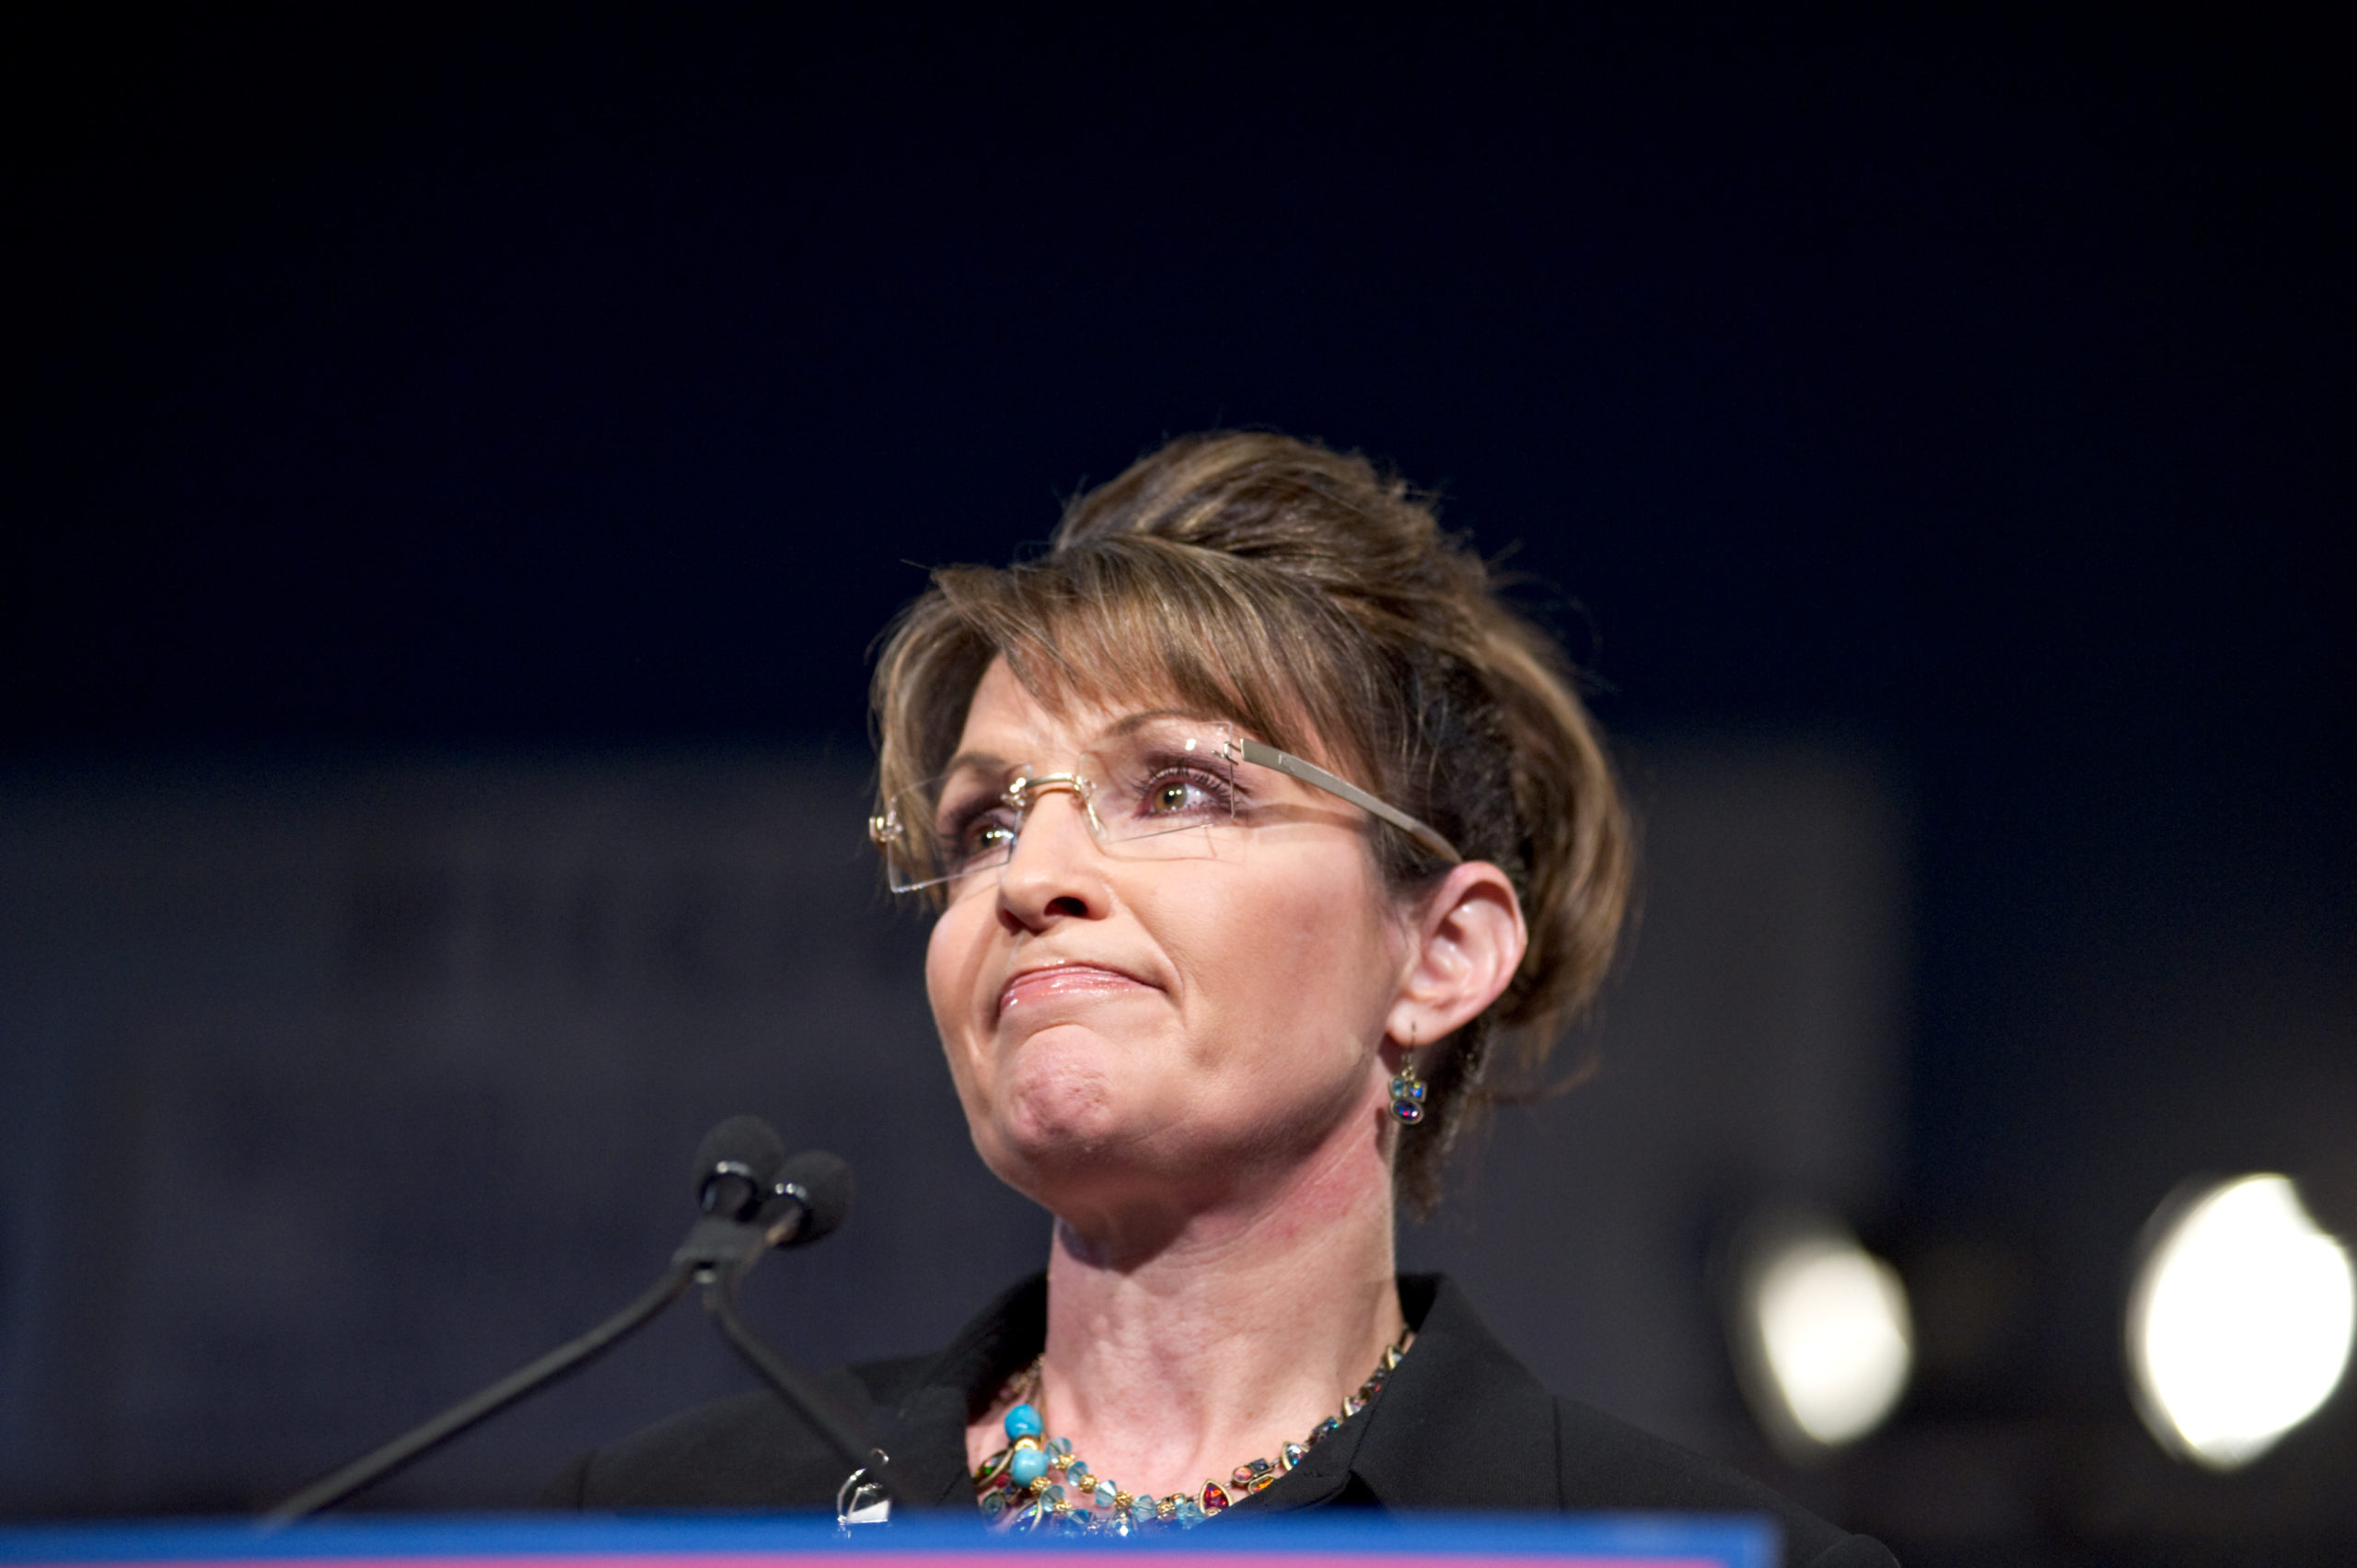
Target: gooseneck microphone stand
[
  {"x": 720, "y": 1274},
  {"x": 749, "y": 1213},
  {"x": 423, "y": 1439}
]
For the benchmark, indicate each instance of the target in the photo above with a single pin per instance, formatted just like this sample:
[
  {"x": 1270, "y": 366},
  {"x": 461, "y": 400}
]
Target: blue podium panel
[{"x": 1488, "y": 1541}]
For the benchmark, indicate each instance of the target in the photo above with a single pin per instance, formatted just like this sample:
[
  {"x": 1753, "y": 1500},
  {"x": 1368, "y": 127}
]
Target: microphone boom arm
[
  {"x": 421, "y": 1440},
  {"x": 720, "y": 1300},
  {"x": 754, "y": 1198}
]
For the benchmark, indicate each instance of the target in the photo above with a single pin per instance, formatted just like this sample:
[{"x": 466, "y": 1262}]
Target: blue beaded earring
[{"x": 1406, "y": 1089}]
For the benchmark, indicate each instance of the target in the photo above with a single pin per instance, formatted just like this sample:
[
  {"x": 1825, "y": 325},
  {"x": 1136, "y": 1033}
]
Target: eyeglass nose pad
[{"x": 1025, "y": 793}]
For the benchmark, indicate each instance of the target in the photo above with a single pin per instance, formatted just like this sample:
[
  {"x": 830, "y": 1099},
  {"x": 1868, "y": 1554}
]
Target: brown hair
[{"x": 1314, "y": 601}]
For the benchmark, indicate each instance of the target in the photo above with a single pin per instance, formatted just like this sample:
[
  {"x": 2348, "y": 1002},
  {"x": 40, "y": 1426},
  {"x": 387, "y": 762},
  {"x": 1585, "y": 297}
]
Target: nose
[{"x": 1056, "y": 871}]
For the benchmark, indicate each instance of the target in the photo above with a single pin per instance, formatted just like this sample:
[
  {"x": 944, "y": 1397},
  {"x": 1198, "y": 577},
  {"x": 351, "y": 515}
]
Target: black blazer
[{"x": 1460, "y": 1425}]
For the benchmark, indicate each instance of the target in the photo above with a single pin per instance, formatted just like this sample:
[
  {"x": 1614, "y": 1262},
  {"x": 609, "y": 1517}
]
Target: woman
[{"x": 1255, "y": 825}]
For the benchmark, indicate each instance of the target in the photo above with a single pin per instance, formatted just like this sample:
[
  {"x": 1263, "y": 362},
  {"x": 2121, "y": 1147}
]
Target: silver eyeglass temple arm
[{"x": 1317, "y": 777}]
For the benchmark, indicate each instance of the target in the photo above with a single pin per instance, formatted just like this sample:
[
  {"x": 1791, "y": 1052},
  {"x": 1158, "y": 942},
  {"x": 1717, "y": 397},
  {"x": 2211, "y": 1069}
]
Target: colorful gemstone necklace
[{"x": 1036, "y": 1482}]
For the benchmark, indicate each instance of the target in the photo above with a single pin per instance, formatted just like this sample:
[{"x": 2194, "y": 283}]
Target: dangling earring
[{"x": 1406, "y": 1089}]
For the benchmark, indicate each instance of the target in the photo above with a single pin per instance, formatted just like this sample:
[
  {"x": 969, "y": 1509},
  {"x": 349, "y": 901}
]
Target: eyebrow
[{"x": 1127, "y": 724}]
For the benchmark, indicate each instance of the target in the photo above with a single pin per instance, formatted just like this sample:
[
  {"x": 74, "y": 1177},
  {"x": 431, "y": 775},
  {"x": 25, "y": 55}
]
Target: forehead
[
  {"x": 1037, "y": 712},
  {"x": 1007, "y": 719}
]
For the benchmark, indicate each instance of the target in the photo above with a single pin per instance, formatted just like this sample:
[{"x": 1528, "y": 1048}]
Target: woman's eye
[
  {"x": 1174, "y": 794},
  {"x": 983, "y": 835},
  {"x": 969, "y": 834}
]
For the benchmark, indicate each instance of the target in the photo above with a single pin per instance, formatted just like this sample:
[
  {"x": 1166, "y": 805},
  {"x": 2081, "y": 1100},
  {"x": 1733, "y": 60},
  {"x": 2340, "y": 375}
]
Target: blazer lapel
[
  {"x": 1459, "y": 1425},
  {"x": 925, "y": 1436}
]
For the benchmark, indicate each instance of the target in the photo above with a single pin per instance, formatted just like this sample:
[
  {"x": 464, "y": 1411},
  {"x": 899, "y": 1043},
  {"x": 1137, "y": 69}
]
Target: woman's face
[{"x": 1155, "y": 1031}]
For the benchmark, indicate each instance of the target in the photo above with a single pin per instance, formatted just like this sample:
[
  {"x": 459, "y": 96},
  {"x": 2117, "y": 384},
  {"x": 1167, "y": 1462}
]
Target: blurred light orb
[
  {"x": 1833, "y": 1336},
  {"x": 2240, "y": 1320}
]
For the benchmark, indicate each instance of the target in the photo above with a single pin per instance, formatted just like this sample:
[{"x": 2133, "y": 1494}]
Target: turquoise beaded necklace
[{"x": 1036, "y": 1482}]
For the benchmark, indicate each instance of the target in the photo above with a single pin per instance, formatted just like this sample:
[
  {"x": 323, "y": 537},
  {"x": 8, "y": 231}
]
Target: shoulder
[
  {"x": 1607, "y": 1464},
  {"x": 749, "y": 1451},
  {"x": 1476, "y": 1429}
]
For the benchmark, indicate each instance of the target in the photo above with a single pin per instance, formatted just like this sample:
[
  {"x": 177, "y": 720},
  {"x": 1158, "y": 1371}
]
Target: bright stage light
[
  {"x": 2240, "y": 1321},
  {"x": 1823, "y": 1335}
]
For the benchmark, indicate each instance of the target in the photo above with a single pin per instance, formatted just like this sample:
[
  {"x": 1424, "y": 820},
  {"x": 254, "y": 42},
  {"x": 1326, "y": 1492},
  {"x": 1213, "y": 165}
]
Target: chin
[
  {"x": 1057, "y": 1117},
  {"x": 1058, "y": 1113}
]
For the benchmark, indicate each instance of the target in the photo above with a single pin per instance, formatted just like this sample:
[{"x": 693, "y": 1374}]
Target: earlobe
[{"x": 1469, "y": 942}]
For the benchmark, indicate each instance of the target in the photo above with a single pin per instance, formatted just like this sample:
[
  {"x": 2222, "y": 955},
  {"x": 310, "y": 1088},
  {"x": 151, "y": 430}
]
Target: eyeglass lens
[{"x": 1157, "y": 789}]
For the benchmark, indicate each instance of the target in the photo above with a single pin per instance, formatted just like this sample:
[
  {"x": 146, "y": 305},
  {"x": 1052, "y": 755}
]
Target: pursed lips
[{"x": 1046, "y": 981}]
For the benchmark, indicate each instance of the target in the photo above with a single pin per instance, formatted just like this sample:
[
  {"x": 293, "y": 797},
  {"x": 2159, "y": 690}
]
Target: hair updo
[{"x": 1316, "y": 602}]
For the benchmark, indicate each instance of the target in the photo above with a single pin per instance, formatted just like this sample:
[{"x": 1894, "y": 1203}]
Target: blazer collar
[
  {"x": 1459, "y": 1423},
  {"x": 925, "y": 1436}
]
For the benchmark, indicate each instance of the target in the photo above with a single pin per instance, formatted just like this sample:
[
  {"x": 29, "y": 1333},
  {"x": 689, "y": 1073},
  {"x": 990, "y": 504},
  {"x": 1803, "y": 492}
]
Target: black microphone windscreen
[
  {"x": 825, "y": 1183},
  {"x": 745, "y": 1141}
]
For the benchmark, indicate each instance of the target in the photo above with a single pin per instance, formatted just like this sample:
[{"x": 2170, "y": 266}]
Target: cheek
[
  {"x": 1309, "y": 962},
  {"x": 953, "y": 962}
]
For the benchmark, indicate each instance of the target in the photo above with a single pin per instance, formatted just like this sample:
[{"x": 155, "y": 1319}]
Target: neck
[{"x": 1244, "y": 1326}]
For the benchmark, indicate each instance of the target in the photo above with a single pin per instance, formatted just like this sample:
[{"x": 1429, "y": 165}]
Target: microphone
[
  {"x": 753, "y": 1197},
  {"x": 743, "y": 1173},
  {"x": 810, "y": 1199},
  {"x": 736, "y": 1165}
]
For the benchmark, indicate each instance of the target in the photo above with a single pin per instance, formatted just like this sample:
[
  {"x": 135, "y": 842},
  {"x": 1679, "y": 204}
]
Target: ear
[{"x": 1465, "y": 943}]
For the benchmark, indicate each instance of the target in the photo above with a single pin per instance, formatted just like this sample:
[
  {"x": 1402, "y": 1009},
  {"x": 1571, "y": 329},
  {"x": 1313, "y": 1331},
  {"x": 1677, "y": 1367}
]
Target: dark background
[{"x": 1965, "y": 388}]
